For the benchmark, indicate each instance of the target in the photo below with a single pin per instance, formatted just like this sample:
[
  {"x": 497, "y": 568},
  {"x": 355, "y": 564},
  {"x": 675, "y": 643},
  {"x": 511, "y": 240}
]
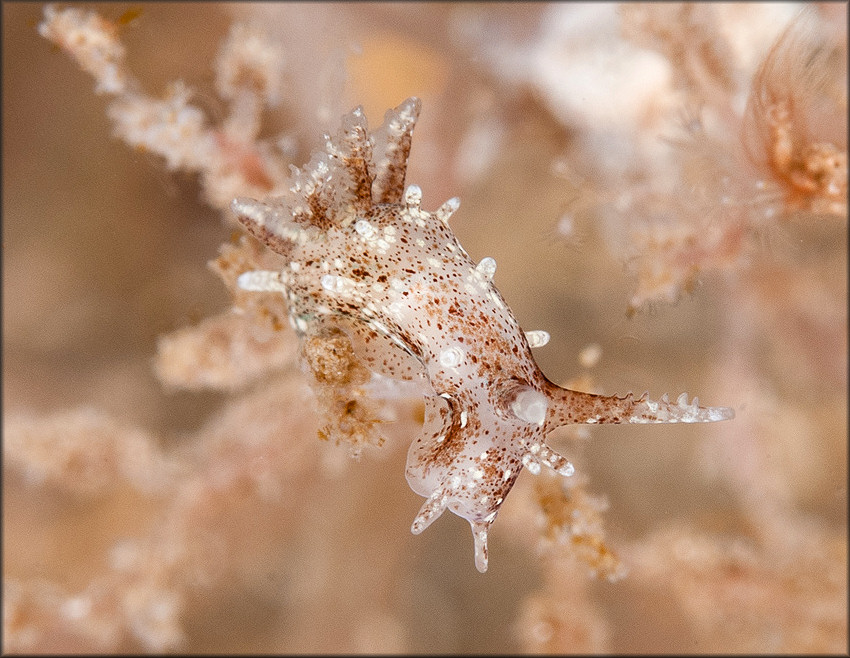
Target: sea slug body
[{"x": 364, "y": 258}]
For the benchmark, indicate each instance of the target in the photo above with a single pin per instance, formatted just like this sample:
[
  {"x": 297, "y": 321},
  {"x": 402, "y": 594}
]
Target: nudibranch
[{"x": 363, "y": 257}]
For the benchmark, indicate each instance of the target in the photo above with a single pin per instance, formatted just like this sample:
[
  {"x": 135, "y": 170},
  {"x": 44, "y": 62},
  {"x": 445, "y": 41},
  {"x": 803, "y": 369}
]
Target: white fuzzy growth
[
  {"x": 170, "y": 127},
  {"x": 250, "y": 62},
  {"x": 90, "y": 41},
  {"x": 590, "y": 75}
]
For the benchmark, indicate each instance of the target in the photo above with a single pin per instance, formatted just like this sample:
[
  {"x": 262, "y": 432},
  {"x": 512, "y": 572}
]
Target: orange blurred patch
[
  {"x": 390, "y": 69},
  {"x": 129, "y": 16}
]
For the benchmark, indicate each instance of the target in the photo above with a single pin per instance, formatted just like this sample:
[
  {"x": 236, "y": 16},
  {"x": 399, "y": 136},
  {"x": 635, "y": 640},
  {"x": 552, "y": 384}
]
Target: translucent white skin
[{"x": 363, "y": 256}]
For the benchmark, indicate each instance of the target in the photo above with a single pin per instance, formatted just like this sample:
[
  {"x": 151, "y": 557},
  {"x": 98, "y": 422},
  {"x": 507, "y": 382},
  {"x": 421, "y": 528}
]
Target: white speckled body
[{"x": 363, "y": 256}]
